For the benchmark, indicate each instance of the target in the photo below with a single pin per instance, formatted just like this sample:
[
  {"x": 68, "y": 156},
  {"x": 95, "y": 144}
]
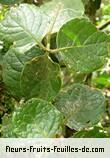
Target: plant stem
[
  {"x": 61, "y": 49},
  {"x": 103, "y": 26}
]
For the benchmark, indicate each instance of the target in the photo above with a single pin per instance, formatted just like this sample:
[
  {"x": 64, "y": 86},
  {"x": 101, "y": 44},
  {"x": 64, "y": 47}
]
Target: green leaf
[
  {"x": 75, "y": 5},
  {"x": 35, "y": 118},
  {"x": 88, "y": 48},
  {"x": 57, "y": 15},
  {"x": 28, "y": 24},
  {"x": 41, "y": 78},
  {"x": 81, "y": 105},
  {"x": 60, "y": 12},
  {"x": 13, "y": 64},
  {"x": 95, "y": 132},
  {"x": 25, "y": 26},
  {"x": 9, "y": 2},
  {"x": 106, "y": 10},
  {"x": 65, "y": 11},
  {"x": 102, "y": 80}
]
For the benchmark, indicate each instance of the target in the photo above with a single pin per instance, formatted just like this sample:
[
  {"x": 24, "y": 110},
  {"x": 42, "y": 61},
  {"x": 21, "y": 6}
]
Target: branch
[{"x": 103, "y": 26}]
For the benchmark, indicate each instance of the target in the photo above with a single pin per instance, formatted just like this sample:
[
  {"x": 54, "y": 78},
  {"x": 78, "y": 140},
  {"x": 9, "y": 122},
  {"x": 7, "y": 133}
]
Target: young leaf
[
  {"x": 41, "y": 78},
  {"x": 88, "y": 48},
  {"x": 36, "y": 118},
  {"x": 81, "y": 106},
  {"x": 13, "y": 64}
]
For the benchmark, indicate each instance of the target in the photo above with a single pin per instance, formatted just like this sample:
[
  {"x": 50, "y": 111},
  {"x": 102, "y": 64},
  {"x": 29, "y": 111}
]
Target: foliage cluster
[{"x": 50, "y": 55}]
